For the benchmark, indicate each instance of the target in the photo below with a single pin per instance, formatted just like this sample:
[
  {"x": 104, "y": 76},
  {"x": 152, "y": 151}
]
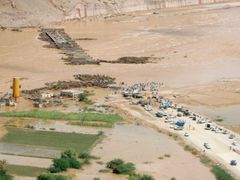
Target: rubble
[
  {"x": 95, "y": 80},
  {"x": 7, "y": 100},
  {"x": 82, "y": 80},
  {"x": 129, "y": 60}
]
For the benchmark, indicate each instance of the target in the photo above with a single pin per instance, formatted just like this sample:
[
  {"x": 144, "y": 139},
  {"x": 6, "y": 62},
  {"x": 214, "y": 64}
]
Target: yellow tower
[{"x": 16, "y": 88}]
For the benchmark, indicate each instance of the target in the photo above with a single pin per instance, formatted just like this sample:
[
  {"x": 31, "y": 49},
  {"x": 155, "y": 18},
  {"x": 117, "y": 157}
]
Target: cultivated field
[
  {"x": 51, "y": 140},
  {"x": 82, "y": 119}
]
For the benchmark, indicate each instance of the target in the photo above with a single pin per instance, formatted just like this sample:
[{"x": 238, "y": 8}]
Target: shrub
[
  {"x": 140, "y": 177},
  {"x": 53, "y": 169},
  {"x": 86, "y": 161},
  {"x": 5, "y": 176},
  {"x": 73, "y": 163},
  {"x": 120, "y": 167},
  {"x": 83, "y": 96},
  {"x": 205, "y": 160},
  {"x": 51, "y": 177},
  {"x": 3, "y": 166},
  {"x": 68, "y": 160},
  {"x": 167, "y": 155},
  {"x": 173, "y": 178},
  {"x": 104, "y": 171},
  {"x": 127, "y": 168},
  {"x": 3, "y": 171},
  {"x": 114, "y": 163},
  {"x": 221, "y": 174},
  {"x": 69, "y": 154},
  {"x": 84, "y": 155},
  {"x": 62, "y": 164}
]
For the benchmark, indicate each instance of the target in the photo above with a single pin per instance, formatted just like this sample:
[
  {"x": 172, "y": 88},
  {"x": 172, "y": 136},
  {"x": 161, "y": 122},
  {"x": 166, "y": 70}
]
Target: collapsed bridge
[{"x": 59, "y": 39}]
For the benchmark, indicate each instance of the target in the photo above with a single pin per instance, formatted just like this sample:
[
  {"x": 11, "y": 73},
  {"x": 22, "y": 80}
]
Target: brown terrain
[
  {"x": 194, "y": 52},
  {"x": 192, "y": 46}
]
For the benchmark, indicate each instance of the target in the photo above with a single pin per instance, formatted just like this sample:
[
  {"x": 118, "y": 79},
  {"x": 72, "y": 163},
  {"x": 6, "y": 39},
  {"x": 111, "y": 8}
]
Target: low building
[
  {"x": 46, "y": 95},
  {"x": 70, "y": 93}
]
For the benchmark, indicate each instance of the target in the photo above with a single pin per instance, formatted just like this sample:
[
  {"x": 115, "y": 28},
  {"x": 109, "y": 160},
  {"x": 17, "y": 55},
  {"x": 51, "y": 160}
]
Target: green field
[
  {"x": 64, "y": 116},
  {"x": 29, "y": 171},
  {"x": 52, "y": 140},
  {"x": 81, "y": 119}
]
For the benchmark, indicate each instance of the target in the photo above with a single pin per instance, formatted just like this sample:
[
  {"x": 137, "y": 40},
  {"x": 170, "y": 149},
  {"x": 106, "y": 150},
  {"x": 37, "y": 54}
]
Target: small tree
[
  {"x": 83, "y": 96},
  {"x": 3, "y": 166},
  {"x": 84, "y": 155},
  {"x": 3, "y": 171},
  {"x": 140, "y": 177},
  {"x": 61, "y": 164},
  {"x": 128, "y": 168},
  {"x": 68, "y": 154},
  {"x": 51, "y": 177},
  {"x": 74, "y": 163},
  {"x": 114, "y": 163}
]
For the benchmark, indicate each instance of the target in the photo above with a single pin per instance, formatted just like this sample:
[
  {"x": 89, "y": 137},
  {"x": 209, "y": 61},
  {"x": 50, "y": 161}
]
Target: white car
[
  {"x": 178, "y": 128},
  {"x": 167, "y": 120},
  {"x": 207, "y": 146},
  {"x": 148, "y": 108},
  {"x": 172, "y": 126},
  {"x": 186, "y": 134}
]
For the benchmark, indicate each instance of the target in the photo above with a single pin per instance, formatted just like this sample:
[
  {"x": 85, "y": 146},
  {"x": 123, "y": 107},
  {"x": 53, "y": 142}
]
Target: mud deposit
[{"x": 144, "y": 146}]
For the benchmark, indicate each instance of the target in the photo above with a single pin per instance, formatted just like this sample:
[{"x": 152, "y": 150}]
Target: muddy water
[
  {"x": 198, "y": 47},
  {"x": 143, "y": 146},
  {"x": 229, "y": 114},
  {"x": 194, "y": 47}
]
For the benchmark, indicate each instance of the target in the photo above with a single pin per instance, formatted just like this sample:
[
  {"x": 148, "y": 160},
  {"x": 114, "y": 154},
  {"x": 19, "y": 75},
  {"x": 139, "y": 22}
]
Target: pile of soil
[{"x": 130, "y": 60}]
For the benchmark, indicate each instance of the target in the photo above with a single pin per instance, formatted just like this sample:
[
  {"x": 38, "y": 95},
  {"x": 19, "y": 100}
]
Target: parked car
[
  {"x": 186, "y": 134},
  {"x": 233, "y": 162},
  {"x": 231, "y": 136},
  {"x": 148, "y": 108},
  {"x": 207, "y": 146},
  {"x": 167, "y": 120},
  {"x": 178, "y": 128},
  {"x": 160, "y": 114}
]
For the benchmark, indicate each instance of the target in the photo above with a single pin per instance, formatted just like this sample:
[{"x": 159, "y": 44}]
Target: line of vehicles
[{"x": 179, "y": 124}]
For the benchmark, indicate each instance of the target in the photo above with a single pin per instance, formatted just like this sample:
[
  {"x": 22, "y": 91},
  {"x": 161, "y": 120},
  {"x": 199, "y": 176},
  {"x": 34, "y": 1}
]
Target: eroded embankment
[{"x": 27, "y": 13}]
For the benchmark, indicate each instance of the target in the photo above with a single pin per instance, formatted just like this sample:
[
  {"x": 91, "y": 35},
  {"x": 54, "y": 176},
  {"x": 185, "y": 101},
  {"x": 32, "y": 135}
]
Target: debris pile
[
  {"x": 7, "y": 100},
  {"x": 82, "y": 80},
  {"x": 75, "y": 55},
  {"x": 95, "y": 80},
  {"x": 129, "y": 60}
]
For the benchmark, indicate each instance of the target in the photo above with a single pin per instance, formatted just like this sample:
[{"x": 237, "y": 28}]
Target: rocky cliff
[{"x": 20, "y": 13}]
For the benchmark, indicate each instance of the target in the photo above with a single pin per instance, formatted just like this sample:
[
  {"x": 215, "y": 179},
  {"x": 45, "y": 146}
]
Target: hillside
[{"x": 14, "y": 13}]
